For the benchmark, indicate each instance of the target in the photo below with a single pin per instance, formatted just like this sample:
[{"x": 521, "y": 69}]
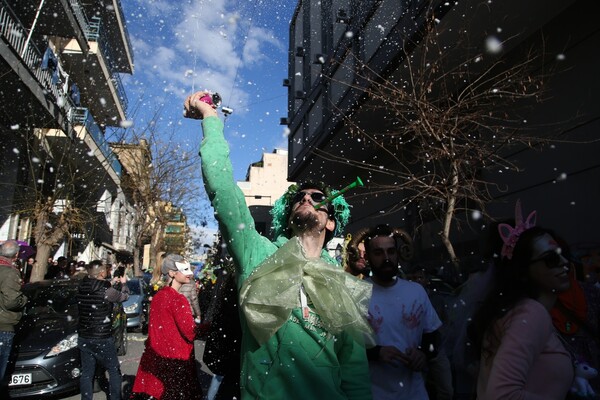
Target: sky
[{"x": 238, "y": 49}]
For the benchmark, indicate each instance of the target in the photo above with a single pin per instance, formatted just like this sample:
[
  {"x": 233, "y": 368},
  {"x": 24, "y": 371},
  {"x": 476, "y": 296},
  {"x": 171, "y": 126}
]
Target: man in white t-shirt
[{"x": 405, "y": 324}]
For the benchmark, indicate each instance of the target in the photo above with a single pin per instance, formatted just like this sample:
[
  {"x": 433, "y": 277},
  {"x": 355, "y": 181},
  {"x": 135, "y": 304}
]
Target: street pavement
[{"x": 131, "y": 360}]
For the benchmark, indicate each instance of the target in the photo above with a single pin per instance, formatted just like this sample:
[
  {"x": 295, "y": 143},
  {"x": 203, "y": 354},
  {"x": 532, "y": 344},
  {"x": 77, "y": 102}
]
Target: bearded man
[
  {"x": 405, "y": 324},
  {"x": 303, "y": 318}
]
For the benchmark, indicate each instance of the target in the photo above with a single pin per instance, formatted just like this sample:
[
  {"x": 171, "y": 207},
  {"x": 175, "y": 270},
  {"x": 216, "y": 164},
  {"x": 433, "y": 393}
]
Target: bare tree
[
  {"x": 451, "y": 112},
  {"x": 161, "y": 174},
  {"x": 60, "y": 186}
]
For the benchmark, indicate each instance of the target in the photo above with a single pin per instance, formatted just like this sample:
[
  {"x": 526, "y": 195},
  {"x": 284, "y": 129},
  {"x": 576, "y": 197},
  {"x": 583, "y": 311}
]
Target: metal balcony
[
  {"x": 15, "y": 34},
  {"x": 82, "y": 116}
]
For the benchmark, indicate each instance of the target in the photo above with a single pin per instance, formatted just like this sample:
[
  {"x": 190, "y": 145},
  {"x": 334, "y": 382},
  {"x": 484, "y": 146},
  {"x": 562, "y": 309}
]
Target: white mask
[{"x": 184, "y": 268}]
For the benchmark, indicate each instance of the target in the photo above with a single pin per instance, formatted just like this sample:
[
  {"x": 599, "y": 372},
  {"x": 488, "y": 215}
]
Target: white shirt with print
[{"x": 399, "y": 315}]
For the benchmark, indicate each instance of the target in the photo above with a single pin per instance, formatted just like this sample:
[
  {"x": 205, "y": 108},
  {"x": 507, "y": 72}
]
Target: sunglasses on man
[{"x": 315, "y": 197}]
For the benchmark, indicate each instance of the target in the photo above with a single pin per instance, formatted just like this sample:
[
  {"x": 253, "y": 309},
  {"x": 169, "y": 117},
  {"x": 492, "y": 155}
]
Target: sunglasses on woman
[{"x": 552, "y": 259}]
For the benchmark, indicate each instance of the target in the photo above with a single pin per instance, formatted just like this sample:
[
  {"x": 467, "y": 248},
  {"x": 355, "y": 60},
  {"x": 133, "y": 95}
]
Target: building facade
[
  {"x": 266, "y": 181},
  {"x": 333, "y": 43},
  {"x": 60, "y": 63}
]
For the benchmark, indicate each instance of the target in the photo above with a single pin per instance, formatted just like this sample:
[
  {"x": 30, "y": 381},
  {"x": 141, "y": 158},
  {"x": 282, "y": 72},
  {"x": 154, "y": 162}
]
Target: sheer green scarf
[{"x": 270, "y": 293}]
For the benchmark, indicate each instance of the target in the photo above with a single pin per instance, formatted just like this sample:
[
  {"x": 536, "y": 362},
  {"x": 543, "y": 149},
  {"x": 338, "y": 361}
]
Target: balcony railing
[
  {"x": 122, "y": 16},
  {"x": 94, "y": 34},
  {"x": 81, "y": 116},
  {"x": 79, "y": 14},
  {"x": 15, "y": 34},
  {"x": 92, "y": 30}
]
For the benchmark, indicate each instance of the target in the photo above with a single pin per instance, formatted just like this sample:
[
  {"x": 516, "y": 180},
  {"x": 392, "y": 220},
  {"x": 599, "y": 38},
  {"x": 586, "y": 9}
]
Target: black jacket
[{"x": 95, "y": 308}]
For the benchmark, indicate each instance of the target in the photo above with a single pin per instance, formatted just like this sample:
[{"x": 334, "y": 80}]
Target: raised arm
[{"x": 235, "y": 221}]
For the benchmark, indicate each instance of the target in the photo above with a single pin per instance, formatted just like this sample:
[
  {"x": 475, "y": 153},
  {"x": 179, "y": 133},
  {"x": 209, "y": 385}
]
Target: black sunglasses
[
  {"x": 316, "y": 197},
  {"x": 552, "y": 259}
]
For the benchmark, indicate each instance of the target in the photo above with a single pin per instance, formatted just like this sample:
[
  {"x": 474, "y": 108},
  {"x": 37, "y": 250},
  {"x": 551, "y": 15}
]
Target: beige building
[{"x": 265, "y": 182}]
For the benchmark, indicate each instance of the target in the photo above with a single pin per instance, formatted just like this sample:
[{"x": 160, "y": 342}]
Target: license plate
[{"x": 20, "y": 379}]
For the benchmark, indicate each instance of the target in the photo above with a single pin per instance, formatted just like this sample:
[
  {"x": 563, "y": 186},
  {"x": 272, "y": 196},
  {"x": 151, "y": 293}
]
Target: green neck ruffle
[{"x": 272, "y": 291}]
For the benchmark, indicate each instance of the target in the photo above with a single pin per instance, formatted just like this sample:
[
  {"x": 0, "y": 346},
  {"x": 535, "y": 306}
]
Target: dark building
[{"x": 331, "y": 39}]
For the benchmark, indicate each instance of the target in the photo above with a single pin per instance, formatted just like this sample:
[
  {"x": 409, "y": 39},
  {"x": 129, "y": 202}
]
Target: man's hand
[
  {"x": 195, "y": 108},
  {"x": 415, "y": 359},
  {"x": 120, "y": 279},
  {"x": 390, "y": 355}
]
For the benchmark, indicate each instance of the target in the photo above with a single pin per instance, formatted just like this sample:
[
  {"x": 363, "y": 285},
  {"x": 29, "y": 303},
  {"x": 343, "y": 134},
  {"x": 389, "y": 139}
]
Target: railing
[
  {"x": 80, "y": 15},
  {"x": 15, "y": 34},
  {"x": 81, "y": 116},
  {"x": 122, "y": 16},
  {"x": 93, "y": 34}
]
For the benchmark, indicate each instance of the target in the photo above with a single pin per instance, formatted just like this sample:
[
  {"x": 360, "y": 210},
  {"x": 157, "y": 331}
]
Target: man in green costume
[{"x": 303, "y": 318}]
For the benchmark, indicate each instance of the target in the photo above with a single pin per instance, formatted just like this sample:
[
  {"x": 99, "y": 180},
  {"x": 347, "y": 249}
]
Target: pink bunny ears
[{"x": 510, "y": 235}]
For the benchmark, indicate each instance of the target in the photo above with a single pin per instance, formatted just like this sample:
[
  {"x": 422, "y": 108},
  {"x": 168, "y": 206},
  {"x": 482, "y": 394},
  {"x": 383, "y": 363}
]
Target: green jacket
[
  {"x": 302, "y": 360},
  {"x": 12, "y": 300}
]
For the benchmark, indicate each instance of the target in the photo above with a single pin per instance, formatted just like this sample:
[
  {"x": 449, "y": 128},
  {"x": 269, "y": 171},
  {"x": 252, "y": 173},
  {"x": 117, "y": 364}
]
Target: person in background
[
  {"x": 95, "y": 300},
  {"x": 354, "y": 255},
  {"x": 438, "y": 376},
  {"x": 72, "y": 268},
  {"x": 576, "y": 317},
  {"x": 12, "y": 301},
  {"x": 521, "y": 356},
  {"x": 303, "y": 317},
  {"x": 190, "y": 291},
  {"x": 53, "y": 269},
  {"x": 63, "y": 268},
  {"x": 167, "y": 369},
  {"x": 80, "y": 270},
  {"x": 28, "y": 268},
  {"x": 470, "y": 296},
  {"x": 223, "y": 336},
  {"x": 404, "y": 321}
]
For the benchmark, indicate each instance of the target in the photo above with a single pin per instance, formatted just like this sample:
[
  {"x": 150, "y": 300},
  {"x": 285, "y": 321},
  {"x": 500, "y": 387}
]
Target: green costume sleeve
[
  {"x": 235, "y": 221},
  {"x": 356, "y": 382}
]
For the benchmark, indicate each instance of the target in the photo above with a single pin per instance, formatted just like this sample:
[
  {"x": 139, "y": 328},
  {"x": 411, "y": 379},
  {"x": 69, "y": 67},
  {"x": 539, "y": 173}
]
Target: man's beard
[
  {"x": 387, "y": 271},
  {"x": 304, "y": 221}
]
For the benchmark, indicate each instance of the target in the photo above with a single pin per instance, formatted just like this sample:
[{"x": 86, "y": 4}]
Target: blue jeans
[
  {"x": 214, "y": 387},
  {"x": 6, "y": 341},
  {"x": 103, "y": 352}
]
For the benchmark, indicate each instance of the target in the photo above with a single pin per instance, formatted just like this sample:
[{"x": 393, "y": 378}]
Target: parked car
[
  {"x": 45, "y": 346},
  {"x": 137, "y": 305}
]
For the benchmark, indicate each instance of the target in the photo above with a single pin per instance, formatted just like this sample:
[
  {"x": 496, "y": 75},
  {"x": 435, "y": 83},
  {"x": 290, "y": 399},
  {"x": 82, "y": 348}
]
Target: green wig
[{"x": 338, "y": 209}]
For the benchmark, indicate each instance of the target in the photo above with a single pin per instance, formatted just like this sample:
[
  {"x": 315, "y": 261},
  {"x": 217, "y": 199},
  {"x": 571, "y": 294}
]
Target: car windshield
[
  {"x": 134, "y": 286},
  {"x": 60, "y": 299}
]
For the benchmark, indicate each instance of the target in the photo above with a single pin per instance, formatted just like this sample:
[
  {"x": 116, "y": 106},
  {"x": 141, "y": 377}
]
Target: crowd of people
[
  {"x": 283, "y": 320},
  {"x": 523, "y": 325}
]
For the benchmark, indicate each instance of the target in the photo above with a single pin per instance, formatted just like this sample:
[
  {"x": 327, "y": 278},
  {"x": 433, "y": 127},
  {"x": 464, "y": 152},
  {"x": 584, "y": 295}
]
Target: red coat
[{"x": 167, "y": 368}]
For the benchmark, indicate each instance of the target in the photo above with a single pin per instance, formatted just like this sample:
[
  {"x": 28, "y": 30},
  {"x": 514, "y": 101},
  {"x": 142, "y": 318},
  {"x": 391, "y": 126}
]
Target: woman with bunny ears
[{"x": 521, "y": 355}]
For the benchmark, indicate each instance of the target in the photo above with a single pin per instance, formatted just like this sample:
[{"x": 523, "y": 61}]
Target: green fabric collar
[{"x": 272, "y": 291}]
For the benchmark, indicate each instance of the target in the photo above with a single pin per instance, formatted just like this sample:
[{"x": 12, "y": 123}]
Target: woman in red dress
[{"x": 167, "y": 368}]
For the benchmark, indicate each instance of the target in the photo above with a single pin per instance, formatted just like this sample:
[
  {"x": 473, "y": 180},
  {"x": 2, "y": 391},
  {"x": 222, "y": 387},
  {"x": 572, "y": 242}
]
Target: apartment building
[
  {"x": 266, "y": 181},
  {"x": 60, "y": 66},
  {"x": 332, "y": 44}
]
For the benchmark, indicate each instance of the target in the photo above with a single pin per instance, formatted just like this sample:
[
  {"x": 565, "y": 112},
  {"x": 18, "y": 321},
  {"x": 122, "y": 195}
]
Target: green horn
[{"x": 357, "y": 182}]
